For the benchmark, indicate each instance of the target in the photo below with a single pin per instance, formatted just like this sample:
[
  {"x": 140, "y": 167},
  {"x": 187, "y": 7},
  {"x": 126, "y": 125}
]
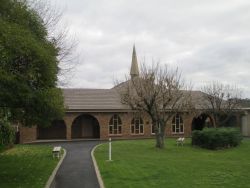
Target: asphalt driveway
[{"x": 77, "y": 169}]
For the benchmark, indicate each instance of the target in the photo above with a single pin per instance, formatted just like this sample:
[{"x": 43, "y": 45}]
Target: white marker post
[{"x": 110, "y": 148}]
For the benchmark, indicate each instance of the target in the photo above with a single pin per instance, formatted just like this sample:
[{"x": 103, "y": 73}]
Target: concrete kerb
[
  {"x": 63, "y": 140},
  {"x": 50, "y": 183},
  {"x": 99, "y": 177}
]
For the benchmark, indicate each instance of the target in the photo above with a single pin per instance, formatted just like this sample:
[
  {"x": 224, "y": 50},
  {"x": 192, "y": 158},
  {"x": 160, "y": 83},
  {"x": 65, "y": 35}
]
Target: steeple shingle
[{"x": 134, "y": 70}]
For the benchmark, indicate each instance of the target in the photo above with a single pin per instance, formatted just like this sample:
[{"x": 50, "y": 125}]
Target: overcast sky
[{"x": 209, "y": 40}]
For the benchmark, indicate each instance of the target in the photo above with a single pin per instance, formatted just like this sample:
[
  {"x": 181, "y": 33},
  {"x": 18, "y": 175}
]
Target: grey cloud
[
  {"x": 226, "y": 61},
  {"x": 207, "y": 39}
]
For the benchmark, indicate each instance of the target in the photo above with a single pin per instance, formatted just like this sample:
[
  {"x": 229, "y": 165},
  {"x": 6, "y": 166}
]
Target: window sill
[
  {"x": 137, "y": 134},
  {"x": 115, "y": 135}
]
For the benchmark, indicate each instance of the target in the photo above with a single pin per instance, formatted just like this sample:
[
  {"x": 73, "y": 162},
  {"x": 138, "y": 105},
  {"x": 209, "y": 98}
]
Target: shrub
[
  {"x": 7, "y": 133},
  {"x": 216, "y": 138}
]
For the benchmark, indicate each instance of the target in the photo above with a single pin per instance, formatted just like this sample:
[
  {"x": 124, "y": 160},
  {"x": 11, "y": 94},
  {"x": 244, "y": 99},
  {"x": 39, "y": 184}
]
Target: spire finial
[{"x": 134, "y": 71}]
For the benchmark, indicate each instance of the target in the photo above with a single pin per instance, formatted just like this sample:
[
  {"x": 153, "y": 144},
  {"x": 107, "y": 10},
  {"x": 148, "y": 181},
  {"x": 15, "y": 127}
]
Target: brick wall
[
  {"x": 126, "y": 118},
  {"x": 30, "y": 134}
]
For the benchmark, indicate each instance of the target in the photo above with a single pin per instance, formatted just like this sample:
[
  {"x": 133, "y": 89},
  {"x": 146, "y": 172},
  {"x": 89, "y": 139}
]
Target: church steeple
[{"x": 134, "y": 70}]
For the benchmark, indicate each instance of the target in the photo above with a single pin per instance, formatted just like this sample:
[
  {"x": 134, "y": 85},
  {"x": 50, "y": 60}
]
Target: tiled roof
[
  {"x": 198, "y": 100},
  {"x": 107, "y": 99},
  {"x": 92, "y": 99}
]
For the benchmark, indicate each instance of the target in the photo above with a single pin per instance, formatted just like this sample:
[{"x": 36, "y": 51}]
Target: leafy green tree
[
  {"x": 28, "y": 66},
  {"x": 7, "y": 133}
]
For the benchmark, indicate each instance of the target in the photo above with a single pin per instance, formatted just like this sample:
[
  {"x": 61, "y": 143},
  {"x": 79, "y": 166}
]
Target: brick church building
[{"x": 99, "y": 114}]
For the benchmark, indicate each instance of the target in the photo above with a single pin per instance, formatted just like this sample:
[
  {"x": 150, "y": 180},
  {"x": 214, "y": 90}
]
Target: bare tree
[
  {"x": 221, "y": 101},
  {"x": 58, "y": 34},
  {"x": 158, "y": 92}
]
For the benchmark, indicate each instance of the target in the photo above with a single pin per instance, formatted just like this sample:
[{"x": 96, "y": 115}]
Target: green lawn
[
  {"x": 139, "y": 164},
  {"x": 26, "y": 166}
]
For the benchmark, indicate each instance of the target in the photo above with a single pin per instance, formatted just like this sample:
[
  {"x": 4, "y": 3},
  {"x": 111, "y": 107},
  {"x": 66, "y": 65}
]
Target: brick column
[
  {"x": 126, "y": 123},
  {"x": 28, "y": 134},
  {"x": 68, "y": 119},
  {"x": 68, "y": 132},
  {"x": 147, "y": 125},
  {"x": 103, "y": 120},
  {"x": 188, "y": 119}
]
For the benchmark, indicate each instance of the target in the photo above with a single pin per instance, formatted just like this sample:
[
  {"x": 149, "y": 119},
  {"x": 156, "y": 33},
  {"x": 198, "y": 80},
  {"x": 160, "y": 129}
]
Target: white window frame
[
  {"x": 152, "y": 129},
  {"x": 114, "y": 131},
  {"x": 177, "y": 119},
  {"x": 134, "y": 125}
]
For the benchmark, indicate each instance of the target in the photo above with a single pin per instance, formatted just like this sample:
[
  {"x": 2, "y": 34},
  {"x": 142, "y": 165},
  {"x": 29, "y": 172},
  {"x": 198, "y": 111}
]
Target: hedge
[
  {"x": 7, "y": 133},
  {"x": 216, "y": 138}
]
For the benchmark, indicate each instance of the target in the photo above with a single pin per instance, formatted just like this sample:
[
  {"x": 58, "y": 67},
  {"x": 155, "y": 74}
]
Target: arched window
[
  {"x": 115, "y": 125},
  {"x": 177, "y": 124},
  {"x": 137, "y": 126}
]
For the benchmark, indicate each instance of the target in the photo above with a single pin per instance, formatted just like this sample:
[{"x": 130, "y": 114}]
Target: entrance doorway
[
  {"x": 56, "y": 131},
  {"x": 202, "y": 121},
  {"x": 85, "y": 126}
]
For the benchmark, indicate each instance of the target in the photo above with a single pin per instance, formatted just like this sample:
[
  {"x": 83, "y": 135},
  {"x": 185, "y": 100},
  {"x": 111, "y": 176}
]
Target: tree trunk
[
  {"x": 216, "y": 120},
  {"x": 160, "y": 140},
  {"x": 160, "y": 136}
]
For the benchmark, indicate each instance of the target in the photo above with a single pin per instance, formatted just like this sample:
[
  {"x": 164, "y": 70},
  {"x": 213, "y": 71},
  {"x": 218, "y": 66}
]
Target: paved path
[{"x": 77, "y": 169}]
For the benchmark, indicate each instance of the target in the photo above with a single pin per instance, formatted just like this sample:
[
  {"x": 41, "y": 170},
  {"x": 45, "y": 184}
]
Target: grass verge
[
  {"x": 26, "y": 166},
  {"x": 139, "y": 164}
]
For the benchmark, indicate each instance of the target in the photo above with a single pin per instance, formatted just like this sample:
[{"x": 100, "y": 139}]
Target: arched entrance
[
  {"x": 85, "y": 126},
  {"x": 201, "y": 121},
  {"x": 56, "y": 131}
]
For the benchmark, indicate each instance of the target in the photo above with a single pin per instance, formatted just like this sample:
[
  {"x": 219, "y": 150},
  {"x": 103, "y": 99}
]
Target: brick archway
[
  {"x": 85, "y": 126},
  {"x": 57, "y": 130},
  {"x": 201, "y": 121}
]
